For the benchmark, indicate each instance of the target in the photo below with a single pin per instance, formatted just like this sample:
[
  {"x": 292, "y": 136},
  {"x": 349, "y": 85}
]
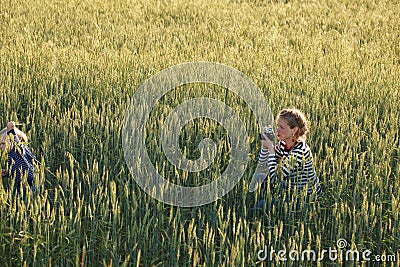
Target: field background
[{"x": 69, "y": 68}]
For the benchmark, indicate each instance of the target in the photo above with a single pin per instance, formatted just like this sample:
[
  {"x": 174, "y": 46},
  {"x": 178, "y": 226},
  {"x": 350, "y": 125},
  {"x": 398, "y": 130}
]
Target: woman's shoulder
[{"x": 301, "y": 147}]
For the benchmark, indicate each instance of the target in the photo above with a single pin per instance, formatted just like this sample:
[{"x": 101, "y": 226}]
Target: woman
[{"x": 290, "y": 162}]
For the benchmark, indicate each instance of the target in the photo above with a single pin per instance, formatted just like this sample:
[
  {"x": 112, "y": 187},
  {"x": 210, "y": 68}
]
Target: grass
[{"x": 68, "y": 71}]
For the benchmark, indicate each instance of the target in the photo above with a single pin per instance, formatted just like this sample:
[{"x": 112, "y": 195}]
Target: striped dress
[{"x": 293, "y": 167}]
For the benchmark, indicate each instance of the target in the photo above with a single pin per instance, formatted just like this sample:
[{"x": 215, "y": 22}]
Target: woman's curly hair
[{"x": 295, "y": 117}]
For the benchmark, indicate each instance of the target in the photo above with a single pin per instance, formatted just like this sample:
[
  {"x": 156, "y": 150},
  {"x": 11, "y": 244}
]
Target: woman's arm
[{"x": 267, "y": 153}]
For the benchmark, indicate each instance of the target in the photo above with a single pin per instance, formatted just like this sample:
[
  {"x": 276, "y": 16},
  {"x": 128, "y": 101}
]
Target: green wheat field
[{"x": 68, "y": 70}]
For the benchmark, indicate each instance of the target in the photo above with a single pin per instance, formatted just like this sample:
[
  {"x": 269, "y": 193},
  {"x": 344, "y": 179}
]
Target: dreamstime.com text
[{"x": 340, "y": 254}]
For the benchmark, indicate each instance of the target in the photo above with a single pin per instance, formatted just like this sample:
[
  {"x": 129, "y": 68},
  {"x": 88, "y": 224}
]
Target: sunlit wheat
[{"x": 69, "y": 69}]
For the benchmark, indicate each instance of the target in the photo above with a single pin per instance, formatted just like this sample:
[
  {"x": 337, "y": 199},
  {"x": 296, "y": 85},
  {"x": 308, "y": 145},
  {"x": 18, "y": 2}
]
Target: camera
[{"x": 269, "y": 132}]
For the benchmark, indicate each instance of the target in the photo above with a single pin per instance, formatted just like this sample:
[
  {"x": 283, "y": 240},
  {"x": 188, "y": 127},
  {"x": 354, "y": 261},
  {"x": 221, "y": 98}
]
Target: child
[{"x": 20, "y": 158}]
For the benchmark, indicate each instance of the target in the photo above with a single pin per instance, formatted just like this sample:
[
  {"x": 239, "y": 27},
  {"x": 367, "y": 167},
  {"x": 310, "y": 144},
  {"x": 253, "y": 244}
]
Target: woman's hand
[
  {"x": 266, "y": 143},
  {"x": 10, "y": 125}
]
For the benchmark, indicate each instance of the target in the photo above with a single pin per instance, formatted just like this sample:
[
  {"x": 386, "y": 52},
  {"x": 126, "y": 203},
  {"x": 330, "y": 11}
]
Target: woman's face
[{"x": 284, "y": 131}]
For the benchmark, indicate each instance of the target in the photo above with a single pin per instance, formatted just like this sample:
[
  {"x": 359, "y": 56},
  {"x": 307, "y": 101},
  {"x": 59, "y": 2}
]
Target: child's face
[{"x": 3, "y": 143}]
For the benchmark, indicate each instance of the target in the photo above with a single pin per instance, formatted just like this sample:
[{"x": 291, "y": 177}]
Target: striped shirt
[
  {"x": 20, "y": 162},
  {"x": 293, "y": 166}
]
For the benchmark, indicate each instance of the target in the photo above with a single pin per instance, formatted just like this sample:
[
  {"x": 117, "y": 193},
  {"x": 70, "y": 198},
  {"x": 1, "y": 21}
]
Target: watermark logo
[
  {"x": 341, "y": 253},
  {"x": 138, "y": 112}
]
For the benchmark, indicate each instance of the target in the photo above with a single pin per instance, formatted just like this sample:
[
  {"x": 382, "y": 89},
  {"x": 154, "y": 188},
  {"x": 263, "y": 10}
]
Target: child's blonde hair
[{"x": 22, "y": 137}]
